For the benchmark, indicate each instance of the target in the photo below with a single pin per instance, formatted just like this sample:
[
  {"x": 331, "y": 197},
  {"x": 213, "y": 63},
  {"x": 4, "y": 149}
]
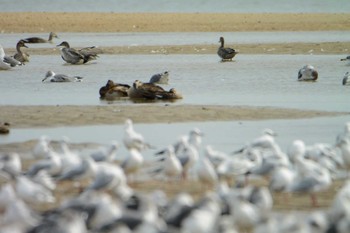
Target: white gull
[
  {"x": 206, "y": 172},
  {"x": 133, "y": 139},
  {"x": 31, "y": 192},
  {"x": 53, "y": 77},
  {"x": 7, "y": 62},
  {"x": 42, "y": 147},
  {"x": 161, "y": 78},
  {"x": 133, "y": 162},
  {"x": 170, "y": 166},
  {"x": 107, "y": 153},
  {"x": 311, "y": 178}
]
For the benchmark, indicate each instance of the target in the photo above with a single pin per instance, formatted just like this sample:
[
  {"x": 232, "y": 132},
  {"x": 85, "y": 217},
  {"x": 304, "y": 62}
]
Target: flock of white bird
[{"x": 106, "y": 202}]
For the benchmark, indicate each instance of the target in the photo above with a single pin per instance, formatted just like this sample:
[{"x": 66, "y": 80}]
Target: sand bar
[
  {"x": 170, "y": 22},
  {"x": 71, "y": 115},
  {"x": 39, "y": 22}
]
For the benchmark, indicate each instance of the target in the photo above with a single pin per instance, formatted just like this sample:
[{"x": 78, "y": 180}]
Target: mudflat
[{"x": 170, "y": 22}]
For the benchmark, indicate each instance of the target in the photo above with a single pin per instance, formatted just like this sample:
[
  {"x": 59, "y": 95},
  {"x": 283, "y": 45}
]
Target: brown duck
[{"x": 226, "y": 54}]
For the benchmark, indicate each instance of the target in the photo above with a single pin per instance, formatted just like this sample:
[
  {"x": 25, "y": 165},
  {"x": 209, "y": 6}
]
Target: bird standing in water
[{"x": 226, "y": 54}]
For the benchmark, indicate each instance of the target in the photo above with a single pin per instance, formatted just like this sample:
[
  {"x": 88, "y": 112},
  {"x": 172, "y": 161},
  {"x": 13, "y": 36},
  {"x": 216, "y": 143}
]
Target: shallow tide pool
[{"x": 254, "y": 80}]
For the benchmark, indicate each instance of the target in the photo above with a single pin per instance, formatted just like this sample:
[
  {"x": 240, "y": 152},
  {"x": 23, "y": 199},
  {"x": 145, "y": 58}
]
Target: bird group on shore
[
  {"x": 21, "y": 57},
  {"x": 139, "y": 90},
  {"x": 66, "y": 190}
]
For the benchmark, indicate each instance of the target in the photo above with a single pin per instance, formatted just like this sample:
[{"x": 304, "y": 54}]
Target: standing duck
[
  {"x": 21, "y": 56},
  {"x": 35, "y": 40},
  {"x": 226, "y": 54},
  {"x": 307, "y": 73},
  {"x": 74, "y": 56}
]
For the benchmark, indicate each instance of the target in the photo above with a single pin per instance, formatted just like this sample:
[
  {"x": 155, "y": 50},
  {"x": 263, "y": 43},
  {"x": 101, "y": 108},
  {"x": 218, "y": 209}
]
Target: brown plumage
[
  {"x": 114, "y": 90},
  {"x": 35, "y": 40},
  {"x": 77, "y": 56},
  {"x": 152, "y": 91},
  {"x": 172, "y": 94},
  {"x": 20, "y": 55},
  {"x": 226, "y": 54},
  {"x": 145, "y": 90}
]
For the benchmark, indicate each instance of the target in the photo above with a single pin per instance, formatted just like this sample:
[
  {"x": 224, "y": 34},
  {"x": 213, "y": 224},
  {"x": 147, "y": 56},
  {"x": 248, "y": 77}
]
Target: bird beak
[{"x": 44, "y": 79}]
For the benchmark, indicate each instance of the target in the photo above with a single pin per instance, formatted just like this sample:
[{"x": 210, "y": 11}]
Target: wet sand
[
  {"x": 323, "y": 48},
  {"x": 50, "y": 116},
  {"x": 170, "y": 22}
]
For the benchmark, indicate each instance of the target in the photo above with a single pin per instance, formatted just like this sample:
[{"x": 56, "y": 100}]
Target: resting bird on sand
[
  {"x": 226, "y": 54},
  {"x": 76, "y": 57}
]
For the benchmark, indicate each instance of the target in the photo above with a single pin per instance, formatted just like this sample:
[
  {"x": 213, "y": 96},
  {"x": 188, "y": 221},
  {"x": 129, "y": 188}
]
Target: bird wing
[
  {"x": 11, "y": 61},
  {"x": 101, "y": 181},
  {"x": 61, "y": 78},
  {"x": 33, "y": 40},
  {"x": 229, "y": 50}
]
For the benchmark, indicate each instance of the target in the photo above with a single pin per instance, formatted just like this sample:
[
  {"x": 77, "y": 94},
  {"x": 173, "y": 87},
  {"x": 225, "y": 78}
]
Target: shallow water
[
  {"x": 224, "y": 136},
  {"x": 254, "y": 80},
  {"x": 9, "y": 40},
  {"x": 238, "y": 6}
]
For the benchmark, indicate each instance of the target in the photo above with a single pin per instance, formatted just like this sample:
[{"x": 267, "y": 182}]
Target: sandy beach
[
  {"x": 51, "y": 116},
  {"x": 170, "y": 22}
]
